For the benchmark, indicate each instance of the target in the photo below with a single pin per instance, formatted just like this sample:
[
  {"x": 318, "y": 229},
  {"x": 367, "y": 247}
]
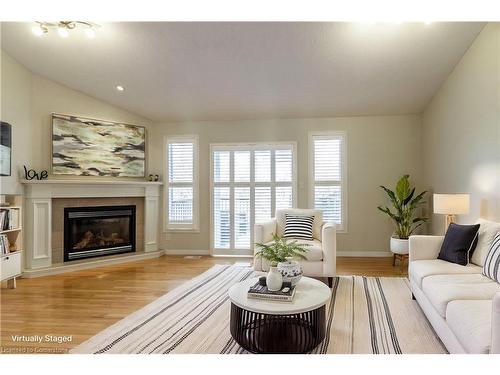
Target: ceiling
[{"x": 222, "y": 71}]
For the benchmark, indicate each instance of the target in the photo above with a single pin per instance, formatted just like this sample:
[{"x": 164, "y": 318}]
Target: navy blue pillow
[{"x": 459, "y": 243}]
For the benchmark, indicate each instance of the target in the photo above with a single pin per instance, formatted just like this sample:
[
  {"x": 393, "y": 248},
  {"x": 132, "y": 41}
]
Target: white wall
[
  {"x": 461, "y": 131},
  {"x": 380, "y": 150},
  {"x": 15, "y": 108},
  {"x": 27, "y": 103}
]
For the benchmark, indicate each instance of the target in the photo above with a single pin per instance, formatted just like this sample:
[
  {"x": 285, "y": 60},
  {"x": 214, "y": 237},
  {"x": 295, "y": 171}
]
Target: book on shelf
[
  {"x": 4, "y": 244},
  {"x": 258, "y": 291},
  {"x": 9, "y": 219}
]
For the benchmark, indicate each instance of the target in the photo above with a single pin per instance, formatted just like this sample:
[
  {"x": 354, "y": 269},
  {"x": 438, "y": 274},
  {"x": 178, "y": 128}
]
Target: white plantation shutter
[
  {"x": 283, "y": 165},
  {"x": 327, "y": 153},
  {"x": 262, "y": 165},
  {"x": 249, "y": 182},
  {"x": 180, "y": 162},
  {"x": 182, "y": 193},
  {"x": 222, "y": 217}
]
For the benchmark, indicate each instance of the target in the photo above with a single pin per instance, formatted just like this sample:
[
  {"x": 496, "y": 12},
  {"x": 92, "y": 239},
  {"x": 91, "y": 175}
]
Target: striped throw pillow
[
  {"x": 491, "y": 267},
  {"x": 300, "y": 227}
]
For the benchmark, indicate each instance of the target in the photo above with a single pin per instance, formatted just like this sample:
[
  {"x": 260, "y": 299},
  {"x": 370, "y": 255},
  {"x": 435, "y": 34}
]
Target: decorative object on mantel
[
  {"x": 405, "y": 203},
  {"x": 280, "y": 253},
  {"x": 5, "y": 148},
  {"x": 31, "y": 174},
  {"x": 154, "y": 178},
  {"x": 89, "y": 147}
]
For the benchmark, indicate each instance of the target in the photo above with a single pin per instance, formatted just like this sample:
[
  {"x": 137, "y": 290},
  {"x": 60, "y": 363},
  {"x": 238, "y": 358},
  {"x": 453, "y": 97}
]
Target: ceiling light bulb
[
  {"x": 38, "y": 30},
  {"x": 120, "y": 88},
  {"x": 63, "y": 32},
  {"x": 90, "y": 33}
]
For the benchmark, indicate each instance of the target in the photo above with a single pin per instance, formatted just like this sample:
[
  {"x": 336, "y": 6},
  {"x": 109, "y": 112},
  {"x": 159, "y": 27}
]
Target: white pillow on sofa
[{"x": 487, "y": 232}]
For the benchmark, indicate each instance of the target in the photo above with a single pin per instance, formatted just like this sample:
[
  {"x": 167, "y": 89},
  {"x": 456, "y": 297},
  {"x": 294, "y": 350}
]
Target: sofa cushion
[
  {"x": 314, "y": 250},
  {"x": 487, "y": 231},
  {"x": 491, "y": 266},
  {"x": 419, "y": 269},
  {"x": 470, "y": 321},
  {"x": 442, "y": 289},
  {"x": 318, "y": 219},
  {"x": 459, "y": 243}
]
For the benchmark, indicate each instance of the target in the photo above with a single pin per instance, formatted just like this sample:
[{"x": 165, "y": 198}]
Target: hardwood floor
[{"x": 78, "y": 305}]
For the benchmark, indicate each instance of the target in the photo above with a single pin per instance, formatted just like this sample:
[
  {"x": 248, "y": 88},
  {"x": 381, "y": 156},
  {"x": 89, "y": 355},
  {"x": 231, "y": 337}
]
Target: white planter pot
[
  {"x": 291, "y": 271},
  {"x": 274, "y": 280},
  {"x": 399, "y": 246}
]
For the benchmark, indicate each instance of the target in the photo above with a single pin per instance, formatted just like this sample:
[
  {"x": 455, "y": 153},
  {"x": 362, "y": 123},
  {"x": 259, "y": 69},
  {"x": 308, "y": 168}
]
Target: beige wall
[
  {"x": 461, "y": 132},
  {"x": 380, "y": 149},
  {"x": 15, "y": 105},
  {"x": 27, "y": 103}
]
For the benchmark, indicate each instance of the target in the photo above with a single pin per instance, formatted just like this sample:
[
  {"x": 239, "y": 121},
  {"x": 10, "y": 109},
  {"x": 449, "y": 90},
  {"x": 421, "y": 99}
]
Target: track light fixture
[{"x": 64, "y": 27}]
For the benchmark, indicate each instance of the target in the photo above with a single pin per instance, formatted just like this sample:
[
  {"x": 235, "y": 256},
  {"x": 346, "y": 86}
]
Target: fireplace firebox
[{"x": 97, "y": 231}]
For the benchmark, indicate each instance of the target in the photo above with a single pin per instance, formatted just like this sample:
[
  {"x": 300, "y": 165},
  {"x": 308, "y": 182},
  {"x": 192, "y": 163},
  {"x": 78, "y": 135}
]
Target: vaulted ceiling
[{"x": 219, "y": 71}]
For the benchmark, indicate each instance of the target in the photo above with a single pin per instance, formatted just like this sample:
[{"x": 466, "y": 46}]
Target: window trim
[
  {"x": 244, "y": 146},
  {"x": 195, "y": 226},
  {"x": 343, "y": 178}
]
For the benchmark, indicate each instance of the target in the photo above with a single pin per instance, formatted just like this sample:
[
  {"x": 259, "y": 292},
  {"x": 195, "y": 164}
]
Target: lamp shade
[{"x": 451, "y": 204}]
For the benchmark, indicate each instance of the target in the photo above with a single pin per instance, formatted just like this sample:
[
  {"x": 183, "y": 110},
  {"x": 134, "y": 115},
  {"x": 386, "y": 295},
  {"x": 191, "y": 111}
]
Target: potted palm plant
[
  {"x": 405, "y": 203},
  {"x": 280, "y": 254}
]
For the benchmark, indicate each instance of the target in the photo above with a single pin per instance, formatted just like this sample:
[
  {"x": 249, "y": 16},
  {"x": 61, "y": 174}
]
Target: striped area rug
[{"x": 364, "y": 315}]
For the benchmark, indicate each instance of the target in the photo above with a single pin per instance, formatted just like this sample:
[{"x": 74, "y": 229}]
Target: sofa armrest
[
  {"x": 495, "y": 325},
  {"x": 262, "y": 232},
  {"x": 425, "y": 247},
  {"x": 329, "y": 245}
]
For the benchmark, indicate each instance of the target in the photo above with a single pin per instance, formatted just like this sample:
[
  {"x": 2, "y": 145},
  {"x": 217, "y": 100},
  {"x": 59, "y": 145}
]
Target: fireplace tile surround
[{"x": 45, "y": 201}]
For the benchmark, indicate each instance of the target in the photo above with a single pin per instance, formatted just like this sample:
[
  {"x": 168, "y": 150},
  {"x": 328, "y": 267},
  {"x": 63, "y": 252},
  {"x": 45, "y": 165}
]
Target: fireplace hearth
[{"x": 97, "y": 231}]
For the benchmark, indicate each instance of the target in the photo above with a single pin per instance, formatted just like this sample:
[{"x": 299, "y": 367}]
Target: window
[
  {"x": 249, "y": 182},
  {"x": 327, "y": 178},
  {"x": 182, "y": 183}
]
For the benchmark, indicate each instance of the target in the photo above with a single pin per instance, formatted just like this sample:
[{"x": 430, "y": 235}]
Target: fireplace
[{"x": 97, "y": 231}]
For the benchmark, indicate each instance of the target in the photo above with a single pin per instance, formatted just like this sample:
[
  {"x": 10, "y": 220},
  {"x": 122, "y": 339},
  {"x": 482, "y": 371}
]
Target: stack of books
[
  {"x": 259, "y": 291},
  {"x": 4, "y": 244},
  {"x": 9, "y": 219}
]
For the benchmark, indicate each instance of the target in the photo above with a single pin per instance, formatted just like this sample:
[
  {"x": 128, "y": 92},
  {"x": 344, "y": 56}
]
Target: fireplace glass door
[{"x": 97, "y": 231}]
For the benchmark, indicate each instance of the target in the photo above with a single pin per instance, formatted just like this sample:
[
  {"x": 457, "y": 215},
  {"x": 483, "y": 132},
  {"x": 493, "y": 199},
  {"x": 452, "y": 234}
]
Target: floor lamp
[{"x": 451, "y": 205}]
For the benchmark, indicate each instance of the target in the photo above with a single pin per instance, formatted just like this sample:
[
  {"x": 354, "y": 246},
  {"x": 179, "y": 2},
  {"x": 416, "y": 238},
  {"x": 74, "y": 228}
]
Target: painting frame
[
  {"x": 5, "y": 148},
  {"x": 84, "y": 120}
]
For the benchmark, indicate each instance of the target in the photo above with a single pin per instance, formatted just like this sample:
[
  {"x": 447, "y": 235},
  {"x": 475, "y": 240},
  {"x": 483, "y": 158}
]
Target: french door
[{"x": 249, "y": 182}]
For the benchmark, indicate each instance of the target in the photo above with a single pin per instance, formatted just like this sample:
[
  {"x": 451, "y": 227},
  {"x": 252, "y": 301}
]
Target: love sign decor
[{"x": 31, "y": 174}]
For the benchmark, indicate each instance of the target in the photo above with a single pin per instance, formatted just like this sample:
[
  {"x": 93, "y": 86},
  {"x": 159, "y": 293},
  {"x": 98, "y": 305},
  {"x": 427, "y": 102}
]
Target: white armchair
[{"x": 322, "y": 250}]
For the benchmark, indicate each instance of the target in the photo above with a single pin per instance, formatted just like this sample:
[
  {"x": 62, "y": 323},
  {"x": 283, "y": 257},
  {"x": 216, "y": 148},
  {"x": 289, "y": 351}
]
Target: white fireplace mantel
[{"x": 38, "y": 218}]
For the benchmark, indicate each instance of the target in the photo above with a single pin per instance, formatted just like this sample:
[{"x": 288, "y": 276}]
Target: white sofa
[
  {"x": 461, "y": 304},
  {"x": 322, "y": 250}
]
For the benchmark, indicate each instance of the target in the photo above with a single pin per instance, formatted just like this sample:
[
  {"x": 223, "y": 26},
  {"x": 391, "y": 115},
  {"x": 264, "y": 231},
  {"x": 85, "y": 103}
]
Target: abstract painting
[{"x": 88, "y": 147}]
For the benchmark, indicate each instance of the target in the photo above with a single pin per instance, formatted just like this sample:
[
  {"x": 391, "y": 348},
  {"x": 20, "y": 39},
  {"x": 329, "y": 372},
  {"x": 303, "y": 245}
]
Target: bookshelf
[{"x": 11, "y": 240}]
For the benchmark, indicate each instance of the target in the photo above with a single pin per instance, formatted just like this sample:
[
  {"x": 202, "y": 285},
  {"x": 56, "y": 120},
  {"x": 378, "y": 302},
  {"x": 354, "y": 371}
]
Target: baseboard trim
[
  {"x": 370, "y": 254},
  {"x": 367, "y": 254},
  {"x": 186, "y": 252},
  {"x": 95, "y": 263}
]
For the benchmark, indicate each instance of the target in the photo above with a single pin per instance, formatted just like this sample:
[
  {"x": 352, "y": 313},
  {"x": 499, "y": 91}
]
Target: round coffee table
[{"x": 262, "y": 326}]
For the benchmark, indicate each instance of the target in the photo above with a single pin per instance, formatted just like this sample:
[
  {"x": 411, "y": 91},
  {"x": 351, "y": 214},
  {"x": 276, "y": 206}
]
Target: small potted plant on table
[{"x": 280, "y": 254}]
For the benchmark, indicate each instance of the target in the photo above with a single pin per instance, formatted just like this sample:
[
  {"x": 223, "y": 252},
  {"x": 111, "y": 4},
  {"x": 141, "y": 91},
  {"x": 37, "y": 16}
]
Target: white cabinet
[{"x": 10, "y": 265}]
